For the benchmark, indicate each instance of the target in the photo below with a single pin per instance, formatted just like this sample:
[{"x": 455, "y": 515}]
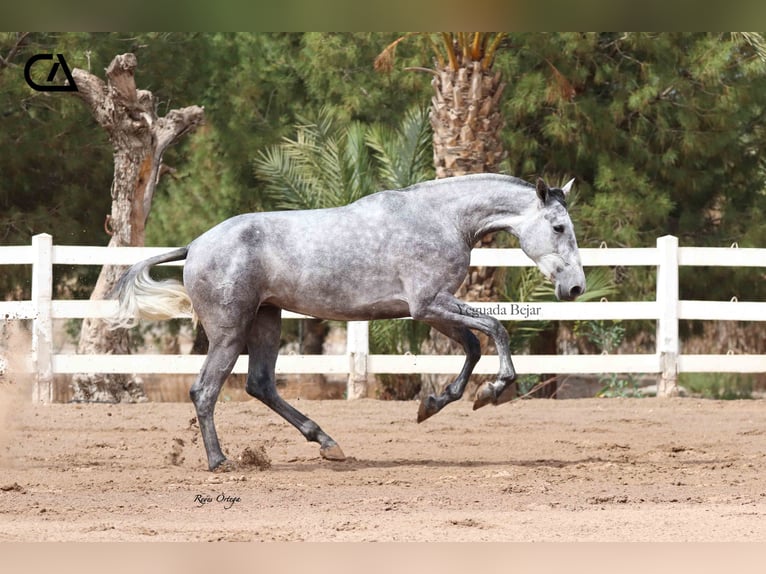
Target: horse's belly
[{"x": 340, "y": 308}]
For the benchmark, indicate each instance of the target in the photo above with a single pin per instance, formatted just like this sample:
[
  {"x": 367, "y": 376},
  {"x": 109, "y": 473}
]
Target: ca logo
[{"x": 71, "y": 87}]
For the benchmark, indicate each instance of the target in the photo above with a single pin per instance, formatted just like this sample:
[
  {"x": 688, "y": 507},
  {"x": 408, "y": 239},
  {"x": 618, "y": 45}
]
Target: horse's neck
[{"x": 480, "y": 207}]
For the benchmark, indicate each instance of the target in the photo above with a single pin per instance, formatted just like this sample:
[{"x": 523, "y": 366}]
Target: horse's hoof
[
  {"x": 507, "y": 395},
  {"x": 485, "y": 395},
  {"x": 225, "y": 465},
  {"x": 332, "y": 452},
  {"x": 427, "y": 408}
]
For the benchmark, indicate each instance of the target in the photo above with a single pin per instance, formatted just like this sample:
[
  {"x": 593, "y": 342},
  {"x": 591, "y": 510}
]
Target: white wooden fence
[{"x": 357, "y": 363}]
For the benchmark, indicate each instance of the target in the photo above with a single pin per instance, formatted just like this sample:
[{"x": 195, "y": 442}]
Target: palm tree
[
  {"x": 465, "y": 108},
  {"x": 329, "y": 164}
]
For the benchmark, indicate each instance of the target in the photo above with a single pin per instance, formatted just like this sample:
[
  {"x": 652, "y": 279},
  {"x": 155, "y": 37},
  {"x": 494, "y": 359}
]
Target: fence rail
[{"x": 357, "y": 362}]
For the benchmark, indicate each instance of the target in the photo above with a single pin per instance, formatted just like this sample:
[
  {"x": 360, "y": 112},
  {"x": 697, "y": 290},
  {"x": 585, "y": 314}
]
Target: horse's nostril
[{"x": 575, "y": 291}]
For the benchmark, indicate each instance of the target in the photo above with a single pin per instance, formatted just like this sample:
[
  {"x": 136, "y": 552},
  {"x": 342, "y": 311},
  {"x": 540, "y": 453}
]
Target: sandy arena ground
[{"x": 536, "y": 470}]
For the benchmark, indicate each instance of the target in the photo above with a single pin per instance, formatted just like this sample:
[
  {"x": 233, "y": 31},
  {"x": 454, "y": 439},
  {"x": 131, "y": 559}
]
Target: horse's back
[{"x": 363, "y": 260}]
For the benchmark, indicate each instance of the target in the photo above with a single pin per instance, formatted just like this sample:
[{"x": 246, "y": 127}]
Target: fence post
[
  {"x": 42, "y": 326},
  {"x": 667, "y": 324},
  {"x": 357, "y": 348}
]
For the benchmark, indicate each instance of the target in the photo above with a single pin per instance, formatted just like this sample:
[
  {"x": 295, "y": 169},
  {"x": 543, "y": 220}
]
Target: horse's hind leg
[
  {"x": 225, "y": 347},
  {"x": 432, "y": 404},
  {"x": 263, "y": 348}
]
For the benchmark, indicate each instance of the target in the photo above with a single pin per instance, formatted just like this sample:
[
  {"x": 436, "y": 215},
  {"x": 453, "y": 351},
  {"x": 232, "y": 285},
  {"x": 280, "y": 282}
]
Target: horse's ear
[
  {"x": 542, "y": 189},
  {"x": 568, "y": 187}
]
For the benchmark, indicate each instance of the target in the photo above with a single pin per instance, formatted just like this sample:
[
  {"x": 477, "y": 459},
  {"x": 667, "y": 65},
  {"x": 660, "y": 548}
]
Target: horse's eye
[{"x": 558, "y": 228}]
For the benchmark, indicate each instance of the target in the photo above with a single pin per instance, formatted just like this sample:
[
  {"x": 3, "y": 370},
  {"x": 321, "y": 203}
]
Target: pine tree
[{"x": 661, "y": 130}]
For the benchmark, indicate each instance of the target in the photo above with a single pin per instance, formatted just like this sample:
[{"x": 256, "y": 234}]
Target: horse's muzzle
[
  {"x": 569, "y": 293},
  {"x": 575, "y": 292}
]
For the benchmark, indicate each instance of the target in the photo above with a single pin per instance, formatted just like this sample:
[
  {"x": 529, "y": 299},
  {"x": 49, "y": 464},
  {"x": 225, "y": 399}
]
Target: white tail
[
  {"x": 141, "y": 297},
  {"x": 152, "y": 300}
]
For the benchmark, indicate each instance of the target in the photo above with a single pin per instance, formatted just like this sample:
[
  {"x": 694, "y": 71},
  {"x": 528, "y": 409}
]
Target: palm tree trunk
[{"x": 466, "y": 122}]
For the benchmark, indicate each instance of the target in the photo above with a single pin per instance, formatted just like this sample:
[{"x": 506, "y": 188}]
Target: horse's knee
[
  {"x": 252, "y": 387},
  {"x": 259, "y": 386}
]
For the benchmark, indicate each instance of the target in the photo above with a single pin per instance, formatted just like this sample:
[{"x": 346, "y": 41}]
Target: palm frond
[
  {"x": 404, "y": 156},
  {"x": 286, "y": 187},
  {"x": 449, "y": 48},
  {"x": 359, "y": 175},
  {"x": 488, "y": 58},
  {"x": 530, "y": 285},
  {"x": 384, "y": 62},
  {"x": 308, "y": 171},
  {"x": 435, "y": 48},
  {"x": 753, "y": 39},
  {"x": 599, "y": 284},
  {"x": 416, "y": 145},
  {"x": 317, "y": 149}
]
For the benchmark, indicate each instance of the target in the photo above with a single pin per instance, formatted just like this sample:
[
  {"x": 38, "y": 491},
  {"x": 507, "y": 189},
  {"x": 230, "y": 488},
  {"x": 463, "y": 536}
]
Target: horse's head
[{"x": 547, "y": 237}]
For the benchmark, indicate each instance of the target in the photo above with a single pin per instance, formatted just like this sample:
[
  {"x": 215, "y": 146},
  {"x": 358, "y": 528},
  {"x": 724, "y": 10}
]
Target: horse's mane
[
  {"x": 476, "y": 176},
  {"x": 554, "y": 193}
]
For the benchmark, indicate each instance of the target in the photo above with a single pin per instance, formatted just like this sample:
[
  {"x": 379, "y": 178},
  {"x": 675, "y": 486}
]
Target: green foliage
[
  {"x": 337, "y": 70},
  {"x": 606, "y": 336},
  {"x": 660, "y": 129},
  {"x": 616, "y": 385},
  {"x": 51, "y": 154},
  {"x": 720, "y": 386},
  {"x": 55, "y": 168},
  {"x": 330, "y": 162},
  {"x": 186, "y": 207},
  {"x": 403, "y": 155},
  {"x": 397, "y": 337},
  {"x": 327, "y": 164}
]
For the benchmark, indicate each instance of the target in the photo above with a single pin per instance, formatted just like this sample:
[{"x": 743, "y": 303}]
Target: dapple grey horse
[{"x": 391, "y": 254}]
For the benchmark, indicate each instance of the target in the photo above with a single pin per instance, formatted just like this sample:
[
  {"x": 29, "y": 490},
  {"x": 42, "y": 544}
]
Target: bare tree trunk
[
  {"x": 139, "y": 139},
  {"x": 466, "y": 122}
]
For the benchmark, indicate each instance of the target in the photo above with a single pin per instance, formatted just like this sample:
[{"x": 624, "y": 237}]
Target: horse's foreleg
[
  {"x": 432, "y": 404},
  {"x": 448, "y": 309},
  {"x": 263, "y": 348},
  {"x": 494, "y": 392}
]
